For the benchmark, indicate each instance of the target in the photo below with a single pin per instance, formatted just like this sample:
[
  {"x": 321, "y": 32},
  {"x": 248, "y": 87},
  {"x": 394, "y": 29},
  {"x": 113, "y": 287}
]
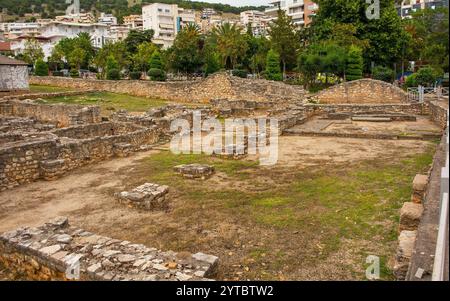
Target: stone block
[
  {"x": 405, "y": 248},
  {"x": 420, "y": 182},
  {"x": 410, "y": 215},
  {"x": 195, "y": 171},
  {"x": 148, "y": 196}
]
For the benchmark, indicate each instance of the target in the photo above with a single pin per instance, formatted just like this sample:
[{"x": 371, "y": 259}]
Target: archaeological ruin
[{"x": 114, "y": 175}]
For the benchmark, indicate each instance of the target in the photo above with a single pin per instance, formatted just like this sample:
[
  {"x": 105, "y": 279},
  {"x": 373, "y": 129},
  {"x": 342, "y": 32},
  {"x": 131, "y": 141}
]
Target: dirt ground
[
  {"x": 246, "y": 214},
  {"x": 423, "y": 125}
]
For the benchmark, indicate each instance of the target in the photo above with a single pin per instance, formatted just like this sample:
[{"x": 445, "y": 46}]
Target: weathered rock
[
  {"x": 195, "y": 171},
  {"x": 405, "y": 248},
  {"x": 410, "y": 215},
  {"x": 148, "y": 196}
]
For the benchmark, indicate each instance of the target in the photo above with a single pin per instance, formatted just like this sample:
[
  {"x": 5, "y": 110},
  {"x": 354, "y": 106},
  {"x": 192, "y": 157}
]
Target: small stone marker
[
  {"x": 148, "y": 196},
  {"x": 195, "y": 171}
]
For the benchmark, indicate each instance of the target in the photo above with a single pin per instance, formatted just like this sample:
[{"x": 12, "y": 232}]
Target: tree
[
  {"x": 283, "y": 38},
  {"x": 386, "y": 36},
  {"x": 354, "y": 68},
  {"x": 273, "y": 71},
  {"x": 143, "y": 55},
  {"x": 212, "y": 63},
  {"x": 426, "y": 76},
  {"x": 230, "y": 44},
  {"x": 41, "y": 68},
  {"x": 32, "y": 52},
  {"x": 77, "y": 57},
  {"x": 156, "y": 71},
  {"x": 112, "y": 69},
  {"x": 186, "y": 54},
  {"x": 156, "y": 61},
  {"x": 383, "y": 73},
  {"x": 136, "y": 38},
  {"x": 78, "y": 52},
  {"x": 116, "y": 50}
]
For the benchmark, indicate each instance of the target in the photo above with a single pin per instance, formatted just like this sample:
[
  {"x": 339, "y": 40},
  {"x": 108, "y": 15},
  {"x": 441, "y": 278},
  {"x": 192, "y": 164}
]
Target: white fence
[
  {"x": 419, "y": 93},
  {"x": 442, "y": 246}
]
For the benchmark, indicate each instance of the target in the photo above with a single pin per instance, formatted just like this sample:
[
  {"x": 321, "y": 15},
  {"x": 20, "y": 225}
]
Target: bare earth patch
[{"x": 317, "y": 214}]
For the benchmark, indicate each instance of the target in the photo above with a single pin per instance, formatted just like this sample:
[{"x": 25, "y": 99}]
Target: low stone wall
[
  {"x": 219, "y": 85},
  {"x": 407, "y": 108},
  {"x": 58, "y": 251},
  {"x": 361, "y": 91},
  {"x": 438, "y": 113},
  {"x": 29, "y": 95},
  {"x": 50, "y": 156},
  {"x": 61, "y": 115}
]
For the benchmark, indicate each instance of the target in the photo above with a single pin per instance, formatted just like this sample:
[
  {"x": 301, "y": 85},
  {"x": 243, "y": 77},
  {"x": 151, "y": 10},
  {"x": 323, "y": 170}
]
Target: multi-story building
[
  {"x": 166, "y": 20},
  {"x": 77, "y": 18},
  {"x": 208, "y": 12},
  {"x": 14, "y": 30},
  {"x": 133, "y": 22},
  {"x": 258, "y": 21},
  {"x": 301, "y": 11},
  {"x": 107, "y": 19},
  {"x": 117, "y": 33},
  {"x": 408, "y": 7}
]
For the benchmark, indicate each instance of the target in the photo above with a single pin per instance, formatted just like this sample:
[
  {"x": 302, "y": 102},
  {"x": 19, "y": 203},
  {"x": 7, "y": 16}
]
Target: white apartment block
[
  {"x": 257, "y": 20},
  {"x": 301, "y": 11},
  {"x": 166, "y": 20},
  {"x": 14, "y": 30},
  {"x": 117, "y": 33},
  {"x": 77, "y": 18},
  {"x": 133, "y": 22},
  {"x": 408, "y": 7},
  {"x": 107, "y": 19}
]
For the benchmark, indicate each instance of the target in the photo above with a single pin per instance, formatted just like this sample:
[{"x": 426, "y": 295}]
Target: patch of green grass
[
  {"x": 48, "y": 89},
  {"x": 110, "y": 101}
]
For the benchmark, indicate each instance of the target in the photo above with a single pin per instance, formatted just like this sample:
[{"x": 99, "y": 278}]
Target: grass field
[{"x": 109, "y": 102}]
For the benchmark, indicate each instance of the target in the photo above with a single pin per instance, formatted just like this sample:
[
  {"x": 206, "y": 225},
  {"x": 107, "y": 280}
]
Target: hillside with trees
[{"x": 51, "y": 8}]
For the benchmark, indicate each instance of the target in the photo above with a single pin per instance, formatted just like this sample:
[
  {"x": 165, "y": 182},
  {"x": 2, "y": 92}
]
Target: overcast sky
[{"x": 238, "y": 2}]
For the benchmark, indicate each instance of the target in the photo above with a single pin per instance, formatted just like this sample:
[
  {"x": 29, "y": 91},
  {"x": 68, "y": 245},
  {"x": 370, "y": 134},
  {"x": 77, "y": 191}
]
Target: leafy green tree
[
  {"x": 386, "y": 36},
  {"x": 41, "y": 68},
  {"x": 283, "y": 37},
  {"x": 273, "y": 70},
  {"x": 212, "y": 63},
  {"x": 156, "y": 61},
  {"x": 354, "y": 68},
  {"x": 383, "y": 73},
  {"x": 32, "y": 52},
  {"x": 143, "y": 55},
  {"x": 156, "y": 71},
  {"x": 136, "y": 38},
  {"x": 116, "y": 50},
  {"x": 427, "y": 76},
  {"x": 187, "y": 51},
  {"x": 112, "y": 69}
]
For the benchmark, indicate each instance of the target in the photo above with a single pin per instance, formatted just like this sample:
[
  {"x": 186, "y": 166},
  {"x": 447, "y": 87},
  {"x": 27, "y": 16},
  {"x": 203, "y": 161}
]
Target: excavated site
[{"x": 94, "y": 197}]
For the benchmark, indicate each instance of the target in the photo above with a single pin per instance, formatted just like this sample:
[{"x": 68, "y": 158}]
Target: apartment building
[
  {"x": 117, "y": 33},
  {"x": 166, "y": 20},
  {"x": 257, "y": 20},
  {"x": 134, "y": 22},
  {"x": 14, "y": 30},
  {"x": 301, "y": 11},
  {"x": 408, "y": 7},
  {"x": 107, "y": 19},
  {"x": 77, "y": 18}
]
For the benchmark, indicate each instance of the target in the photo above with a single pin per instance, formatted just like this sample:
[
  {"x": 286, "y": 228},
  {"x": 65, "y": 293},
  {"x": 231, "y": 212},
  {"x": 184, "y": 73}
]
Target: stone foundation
[
  {"x": 195, "y": 171},
  {"x": 405, "y": 249},
  {"x": 148, "y": 196},
  {"x": 219, "y": 85},
  {"x": 419, "y": 188},
  {"x": 58, "y": 251}
]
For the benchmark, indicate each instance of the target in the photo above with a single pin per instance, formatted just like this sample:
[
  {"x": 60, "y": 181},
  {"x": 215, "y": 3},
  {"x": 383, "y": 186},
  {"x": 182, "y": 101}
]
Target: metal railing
[
  {"x": 442, "y": 245},
  {"x": 418, "y": 94}
]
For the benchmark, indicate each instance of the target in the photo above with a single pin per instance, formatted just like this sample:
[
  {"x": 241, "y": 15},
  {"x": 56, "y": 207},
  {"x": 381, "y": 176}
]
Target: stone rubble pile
[
  {"x": 58, "y": 251},
  {"x": 148, "y": 196}
]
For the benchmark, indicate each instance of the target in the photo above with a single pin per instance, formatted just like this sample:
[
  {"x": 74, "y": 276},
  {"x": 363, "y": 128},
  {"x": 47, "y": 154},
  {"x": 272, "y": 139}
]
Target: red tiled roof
[
  {"x": 5, "y": 46},
  {"x": 4, "y": 60}
]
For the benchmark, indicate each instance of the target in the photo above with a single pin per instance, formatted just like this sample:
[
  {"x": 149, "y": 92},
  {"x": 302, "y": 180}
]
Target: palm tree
[{"x": 230, "y": 43}]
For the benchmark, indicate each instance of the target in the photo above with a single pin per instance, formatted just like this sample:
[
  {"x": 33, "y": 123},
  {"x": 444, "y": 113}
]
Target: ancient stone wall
[
  {"x": 438, "y": 113},
  {"x": 49, "y": 156},
  {"x": 361, "y": 91},
  {"x": 61, "y": 115},
  {"x": 408, "y": 108},
  {"x": 13, "y": 77},
  {"x": 59, "y": 251},
  {"x": 219, "y": 85}
]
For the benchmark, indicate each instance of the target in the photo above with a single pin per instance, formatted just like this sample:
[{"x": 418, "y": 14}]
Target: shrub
[
  {"x": 383, "y": 73},
  {"x": 426, "y": 76},
  {"x": 354, "y": 64},
  {"x": 273, "y": 70},
  {"x": 212, "y": 63},
  {"x": 157, "y": 74},
  {"x": 135, "y": 75},
  {"x": 113, "y": 74},
  {"x": 239, "y": 73},
  {"x": 411, "y": 81},
  {"x": 41, "y": 68},
  {"x": 156, "y": 61},
  {"x": 74, "y": 73}
]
